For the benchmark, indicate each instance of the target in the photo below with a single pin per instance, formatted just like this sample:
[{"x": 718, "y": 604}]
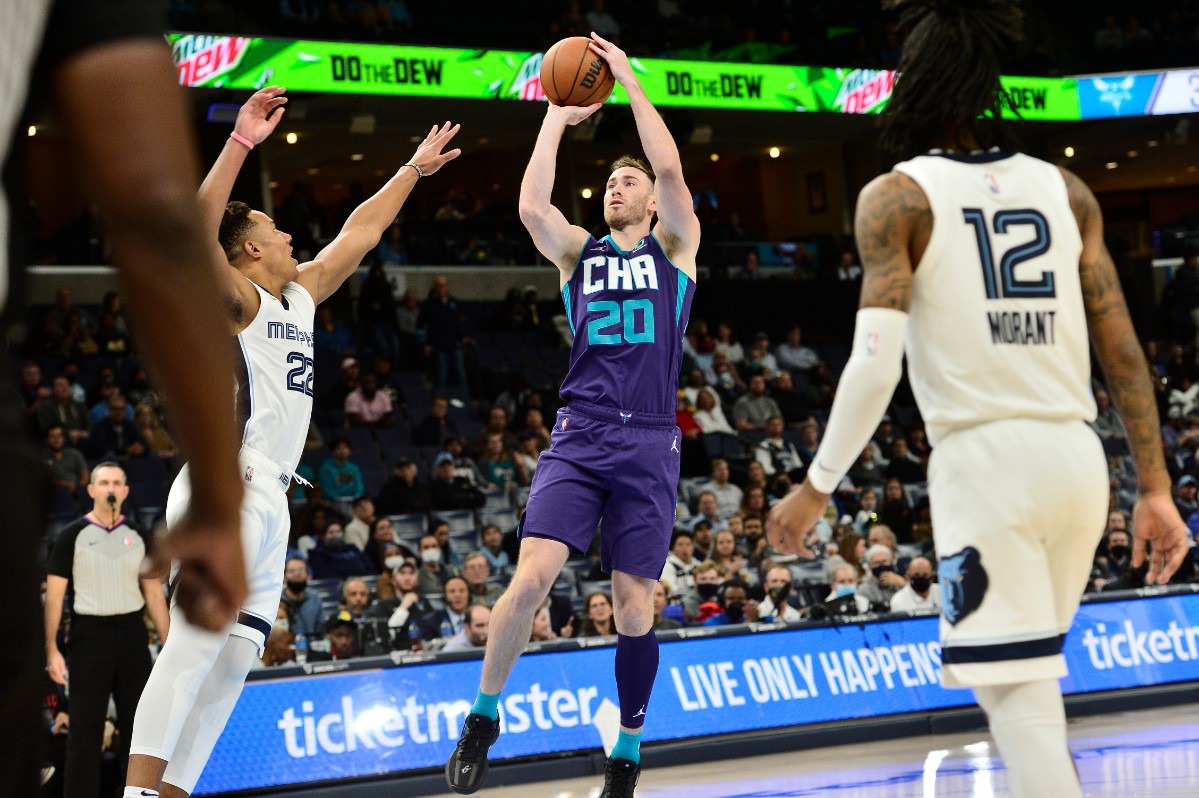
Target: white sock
[{"x": 1028, "y": 722}]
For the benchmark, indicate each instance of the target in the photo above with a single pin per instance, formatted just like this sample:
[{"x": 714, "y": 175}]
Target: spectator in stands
[
  {"x": 708, "y": 510},
  {"x": 1185, "y": 496},
  {"x": 779, "y": 456},
  {"x": 702, "y": 532},
  {"x": 1107, "y": 423},
  {"x": 367, "y": 406},
  {"x": 867, "y": 472},
  {"x": 109, "y": 339},
  {"x": 758, "y": 359},
  {"x": 303, "y": 604},
  {"x": 449, "y": 620},
  {"x": 774, "y": 606},
  {"x": 473, "y": 635},
  {"x": 355, "y": 597},
  {"x": 921, "y": 593},
  {"x": 661, "y": 602},
  {"x": 529, "y": 452},
  {"x": 435, "y": 427},
  {"x": 751, "y": 268},
  {"x": 1116, "y": 561},
  {"x": 535, "y": 423},
  {"x": 882, "y": 581},
  {"x": 115, "y": 437},
  {"x": 709, "y": 414},
  {"x": 750, "y": 412},
  {"x": 543, "y": 625},
  {"x": 597, "y": 621},
  {"x": 335, "y": 397},
  {"x": 77, "y": 339},
  {"x": 845, "y": 583},
  {"x": 439, "y": 528},
  {"x": 106, "y": 388},
  {"x": 475, "y": 570},
  {"x": 332, "y": 335},
  {"x": 434, "y": 570},
  {"x": 725, "y": 555},
  {"x": 68, "y": 468},
  {"x": 393, "y": 249},
  {"x": 450, "y": 491},
  {"x": 755, "y": 504},
  {"x": 791, "y": 405},
  {"x": 341, "y": 633},
  {"x": 883, "y": 535},
  {"x": 728, "y": 496},
  {"x": 377, "y": 313},
  {"x": 497, "y": 422},
  {"x": 793, "y": 355},
  {"x": 727, "y": 345},
  {"x": 333, "y": 558},
  {"x": 904, "y": 465},
  {"x": 445, "y": 335},
  {"x": 464, "y": 465},
  {"x": 895, "y": 512},
  {"x": 708, "y": 576},
  {"x": 867, "y": 515},
  {"x": 112, "y": 303},
  {"x": 847, "y": 267},
  {"x": 735, "y": 604},
  {"x": 383, "y": 545},
  {"x": 756, "y": 546},
  {"x": 403, "y": 493},
  {"x": 34, "y": 392},
  {"x": 358, "y": 530},
  {"x": 408, "y": 316},
  {"x": 278, "y": 649},
  {"x": 497, "y": 465},
  {"x": 157, "y": 439},
  {"x": 389, "y": 383},
  {"x": 493, "y": 548},
  {"x": 402, "y": 609},
  {"x": 340, "y": 478},
  {"x": 679, "y": 571},
  {"x": 60, "y": 409}
]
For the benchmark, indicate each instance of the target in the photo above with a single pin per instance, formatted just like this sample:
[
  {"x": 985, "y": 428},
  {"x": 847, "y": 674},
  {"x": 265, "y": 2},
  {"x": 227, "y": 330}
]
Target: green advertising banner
[{"x": 382, "y": 69}]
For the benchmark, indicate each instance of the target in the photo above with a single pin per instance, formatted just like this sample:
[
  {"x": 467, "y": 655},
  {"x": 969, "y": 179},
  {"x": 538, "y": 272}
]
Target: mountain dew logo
[
  {"x": 200, "y": 60},
  {"x": 864, "y": 91},
  {"x": 527, "y": 83}
]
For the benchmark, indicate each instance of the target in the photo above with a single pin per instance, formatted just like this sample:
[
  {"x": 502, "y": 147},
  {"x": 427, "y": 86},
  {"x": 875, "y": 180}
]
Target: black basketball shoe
[
  {"x": 468, "y": 764},
  {"x": 620, "y": 778}
]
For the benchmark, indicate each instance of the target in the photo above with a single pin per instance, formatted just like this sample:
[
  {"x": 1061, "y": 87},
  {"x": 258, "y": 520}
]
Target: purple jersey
[{"x": 628, "y": 312}]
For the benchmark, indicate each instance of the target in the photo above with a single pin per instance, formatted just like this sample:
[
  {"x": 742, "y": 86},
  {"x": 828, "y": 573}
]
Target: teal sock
[
  {"x": 487, "y": 705},
  {"x": 628, "y": 746}
]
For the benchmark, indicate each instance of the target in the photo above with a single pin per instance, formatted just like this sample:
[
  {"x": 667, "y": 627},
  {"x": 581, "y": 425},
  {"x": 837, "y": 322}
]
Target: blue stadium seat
[
  {"x": 409, "y": 527},
  {"x": 459, "y": 520},
  {"x": 504, "y": 518}
]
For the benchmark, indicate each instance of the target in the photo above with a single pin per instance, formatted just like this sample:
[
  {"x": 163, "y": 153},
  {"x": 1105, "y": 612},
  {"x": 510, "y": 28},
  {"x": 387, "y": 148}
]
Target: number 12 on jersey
[{"x": 1001, "y": 282}]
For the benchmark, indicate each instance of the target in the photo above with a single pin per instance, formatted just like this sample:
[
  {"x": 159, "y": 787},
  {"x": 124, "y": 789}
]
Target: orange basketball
[{"x": 571, "y": 74}]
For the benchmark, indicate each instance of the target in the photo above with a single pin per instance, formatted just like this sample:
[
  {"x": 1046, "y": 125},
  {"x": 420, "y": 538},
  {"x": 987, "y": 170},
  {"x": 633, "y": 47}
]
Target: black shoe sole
[{"x": 482, "y": 770}]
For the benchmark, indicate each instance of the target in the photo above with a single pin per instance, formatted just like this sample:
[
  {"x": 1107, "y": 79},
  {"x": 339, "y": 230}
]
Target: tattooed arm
[
  {"x": 892, "y": 227},
  {"x": 1154, "y": 518}
]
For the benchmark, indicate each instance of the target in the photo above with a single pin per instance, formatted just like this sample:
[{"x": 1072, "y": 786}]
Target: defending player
[
  {"x": 199, "y": 674},
  {"x": 993, "y": 266},
  {"x": 615, "y": 447}
]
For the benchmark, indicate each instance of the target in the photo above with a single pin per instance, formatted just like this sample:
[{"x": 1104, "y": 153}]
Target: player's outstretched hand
[
  {"x": 1155, "y": 520},
  {"x": 429, "y": 156},
  {"x": 210, "y": 586},
  {"x": 572, "y": 114},
  {"x": 260, "y": 114},
  {"x": 791, "y": 518},
  {"x": 618, "y": 62}
]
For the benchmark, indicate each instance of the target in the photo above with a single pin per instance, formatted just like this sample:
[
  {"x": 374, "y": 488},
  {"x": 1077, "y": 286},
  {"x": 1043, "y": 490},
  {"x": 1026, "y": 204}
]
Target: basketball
[{"x": 571, "y": 74}]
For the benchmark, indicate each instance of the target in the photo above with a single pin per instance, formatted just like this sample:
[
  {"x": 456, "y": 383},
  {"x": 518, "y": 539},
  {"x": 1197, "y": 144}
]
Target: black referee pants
[{"x": 108, "y": 655}]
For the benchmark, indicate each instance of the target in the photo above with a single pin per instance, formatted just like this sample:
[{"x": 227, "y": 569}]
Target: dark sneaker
[
  {"x": 468, "y": 765},
  {"x": 620, "y": 778}
]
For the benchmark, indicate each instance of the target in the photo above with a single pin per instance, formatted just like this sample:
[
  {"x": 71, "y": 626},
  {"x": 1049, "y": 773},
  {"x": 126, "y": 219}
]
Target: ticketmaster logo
[
  {"x": 1129, "y": 648},
  {"x": 390, "y": 725}
]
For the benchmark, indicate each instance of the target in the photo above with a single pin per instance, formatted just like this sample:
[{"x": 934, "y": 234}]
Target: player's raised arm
[
  {"x": 365, "y": 227},
  {"x": 892, "y": 212},
  {"x": 1155, "y": 518},
  {"x": 676, "y": 210},
  {"x": 555, "y": 238}
]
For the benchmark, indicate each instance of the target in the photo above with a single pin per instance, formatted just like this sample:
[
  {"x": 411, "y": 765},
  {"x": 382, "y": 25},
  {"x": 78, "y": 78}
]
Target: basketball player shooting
[
  {"x": 615, "y": 446},
  {"x": 272, "y": 300},
  {"x": 992, "y": 265}
]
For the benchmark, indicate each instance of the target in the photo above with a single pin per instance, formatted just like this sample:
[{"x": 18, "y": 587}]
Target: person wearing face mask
[
  {"x": 921, "y": 593},
  {"x": 845, "y": 585},
  {"x": 303, "y": 604},
  {"x": 735, "y": 605},
  {"x": 774, "y": 606},
  {"x": 333, "y": 558},
  {"x": 1112, "y": 570},
  {"x": 699, "y": 603},
  {"x": 882, "y": 581},
  {"x": 433, "y": 571}
]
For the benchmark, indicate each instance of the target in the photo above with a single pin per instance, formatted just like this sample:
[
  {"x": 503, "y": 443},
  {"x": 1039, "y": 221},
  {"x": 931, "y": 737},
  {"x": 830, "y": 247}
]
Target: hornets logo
[{"x": 963, "y": 584}]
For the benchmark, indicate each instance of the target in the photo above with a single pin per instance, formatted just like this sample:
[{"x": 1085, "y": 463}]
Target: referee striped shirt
[{"x": 102, "y": 565}]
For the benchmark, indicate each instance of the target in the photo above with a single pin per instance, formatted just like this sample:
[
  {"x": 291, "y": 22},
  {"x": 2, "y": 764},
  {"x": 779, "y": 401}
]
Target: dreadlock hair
[
  {"x": 949, "y": 73},
  {"x": 236, "y": 226}
]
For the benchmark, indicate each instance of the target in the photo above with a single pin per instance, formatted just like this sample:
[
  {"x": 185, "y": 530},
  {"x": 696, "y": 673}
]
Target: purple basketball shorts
[{"x": 613, "y": 470}]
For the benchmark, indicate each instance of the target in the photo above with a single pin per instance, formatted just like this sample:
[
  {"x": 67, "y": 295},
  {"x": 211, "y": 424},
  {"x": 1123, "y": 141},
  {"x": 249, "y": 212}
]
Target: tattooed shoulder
[{"x": 892, "y": 212}]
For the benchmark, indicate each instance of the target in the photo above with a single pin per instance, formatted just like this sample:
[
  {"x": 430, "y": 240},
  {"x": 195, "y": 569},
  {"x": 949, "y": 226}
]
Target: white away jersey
[
  {"x": 274, "y": 384},
  {"x": 997, "y": 326}
]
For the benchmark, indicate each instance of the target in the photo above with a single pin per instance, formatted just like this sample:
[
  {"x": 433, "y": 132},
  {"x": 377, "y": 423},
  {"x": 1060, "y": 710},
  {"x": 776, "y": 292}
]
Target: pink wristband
[{"x": 240, "y": 139}]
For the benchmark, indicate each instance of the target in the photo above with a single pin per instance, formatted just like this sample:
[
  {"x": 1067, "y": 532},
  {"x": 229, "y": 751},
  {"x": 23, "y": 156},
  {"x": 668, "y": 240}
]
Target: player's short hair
[
  {"x": 636, "y": 163},
  {"x": 236, "y": 226}
]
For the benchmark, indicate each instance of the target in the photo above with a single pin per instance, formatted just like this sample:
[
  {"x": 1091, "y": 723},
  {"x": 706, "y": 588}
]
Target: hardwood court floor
[{"x": 1142, "y": 754}]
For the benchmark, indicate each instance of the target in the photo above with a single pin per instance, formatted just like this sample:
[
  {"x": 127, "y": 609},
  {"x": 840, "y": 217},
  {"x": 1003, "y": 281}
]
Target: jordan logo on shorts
[
  {"x": 565, "y": 421},
  {"x": 250, "y": 474},
  {"x": 674, "y": 444}
]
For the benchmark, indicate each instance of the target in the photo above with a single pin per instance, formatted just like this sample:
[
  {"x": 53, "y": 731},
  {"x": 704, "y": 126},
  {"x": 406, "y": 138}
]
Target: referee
[{"x": 98, "y": 556}]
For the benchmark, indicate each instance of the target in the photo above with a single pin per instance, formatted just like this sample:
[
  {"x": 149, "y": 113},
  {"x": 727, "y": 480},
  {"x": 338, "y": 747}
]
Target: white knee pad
[
  {"x": 210, "y": 713},
  {"x": 1028, "y": 722}
]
